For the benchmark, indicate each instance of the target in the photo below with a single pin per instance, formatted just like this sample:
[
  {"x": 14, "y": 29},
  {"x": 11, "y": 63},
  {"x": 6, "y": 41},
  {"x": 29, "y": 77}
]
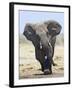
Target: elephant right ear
[{"x": 29, "y": 32}]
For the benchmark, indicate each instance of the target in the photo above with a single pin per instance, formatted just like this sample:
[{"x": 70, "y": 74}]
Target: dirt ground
[{"x": 29, "y": 67}]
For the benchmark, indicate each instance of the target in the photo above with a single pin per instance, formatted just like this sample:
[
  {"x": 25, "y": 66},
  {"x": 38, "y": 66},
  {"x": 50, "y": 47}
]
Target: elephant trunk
[{"x": 47, "y": 47}]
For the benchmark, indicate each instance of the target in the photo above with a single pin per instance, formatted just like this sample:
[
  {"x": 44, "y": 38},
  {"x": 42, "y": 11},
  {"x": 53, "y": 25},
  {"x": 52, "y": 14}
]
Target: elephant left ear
[{"x": 54, "y": 28}]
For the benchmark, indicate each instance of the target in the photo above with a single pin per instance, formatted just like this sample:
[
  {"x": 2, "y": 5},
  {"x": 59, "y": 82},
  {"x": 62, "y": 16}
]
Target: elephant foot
[{"x": 47, "y": 72}]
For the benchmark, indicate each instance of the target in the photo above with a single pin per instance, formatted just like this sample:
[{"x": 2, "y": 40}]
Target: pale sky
[{"x": 39, "y": 16}]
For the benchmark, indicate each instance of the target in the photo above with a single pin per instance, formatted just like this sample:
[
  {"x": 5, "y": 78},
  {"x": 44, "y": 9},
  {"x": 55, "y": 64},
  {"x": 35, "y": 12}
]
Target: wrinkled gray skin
[{"x": 43, "y": 37}]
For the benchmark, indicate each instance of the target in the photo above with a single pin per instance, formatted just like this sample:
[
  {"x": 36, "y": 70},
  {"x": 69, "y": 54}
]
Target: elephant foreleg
[
  {"x": 42, "y": 66},
  {"x": 48, "y": 66},
  {"x": 53, "y": 46}
]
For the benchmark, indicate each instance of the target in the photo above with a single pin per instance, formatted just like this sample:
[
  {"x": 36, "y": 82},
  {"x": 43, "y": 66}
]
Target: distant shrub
[
  {"x": 60, "y": 39},
  {"x": 23, "y": 40}
]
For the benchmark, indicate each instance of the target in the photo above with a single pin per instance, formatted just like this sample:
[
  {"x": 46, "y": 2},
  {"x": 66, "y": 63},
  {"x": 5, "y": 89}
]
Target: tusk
[
  {"x": 40, "y": 45},
  {"x": 50, "y": 44},
  {"x": 45, "y": 57}
]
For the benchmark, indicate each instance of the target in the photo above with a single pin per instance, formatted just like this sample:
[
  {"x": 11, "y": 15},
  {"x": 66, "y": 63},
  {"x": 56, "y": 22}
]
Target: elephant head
[{"x": 43, "y": 37}]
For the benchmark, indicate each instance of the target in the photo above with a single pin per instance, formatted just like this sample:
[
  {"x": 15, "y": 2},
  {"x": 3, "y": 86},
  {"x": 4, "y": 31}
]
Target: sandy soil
[{"x": 29, "y": 67}]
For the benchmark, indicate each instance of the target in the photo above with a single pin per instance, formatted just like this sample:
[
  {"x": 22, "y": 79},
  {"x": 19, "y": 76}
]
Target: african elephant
[{"x": 43, "y": 37}]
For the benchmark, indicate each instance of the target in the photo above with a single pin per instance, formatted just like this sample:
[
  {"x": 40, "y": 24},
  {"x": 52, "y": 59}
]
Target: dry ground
[{"x": 29, "y": 67}]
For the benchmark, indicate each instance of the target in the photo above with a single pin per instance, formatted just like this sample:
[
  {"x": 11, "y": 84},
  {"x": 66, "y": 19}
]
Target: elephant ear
[
  {"x": 29, "y": 32},
  {"x": 54, "y": 28}
]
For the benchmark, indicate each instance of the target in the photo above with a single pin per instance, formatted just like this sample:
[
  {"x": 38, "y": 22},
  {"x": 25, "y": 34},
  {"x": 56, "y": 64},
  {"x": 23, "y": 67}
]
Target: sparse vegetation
[{"x": 60, "y": 39}]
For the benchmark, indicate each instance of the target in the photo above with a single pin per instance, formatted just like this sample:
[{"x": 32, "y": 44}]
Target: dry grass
[{"x": 29, "y": 67}]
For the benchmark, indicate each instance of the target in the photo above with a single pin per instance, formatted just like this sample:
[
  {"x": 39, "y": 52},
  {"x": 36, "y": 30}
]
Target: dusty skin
[{"x": 29, "y": 67}]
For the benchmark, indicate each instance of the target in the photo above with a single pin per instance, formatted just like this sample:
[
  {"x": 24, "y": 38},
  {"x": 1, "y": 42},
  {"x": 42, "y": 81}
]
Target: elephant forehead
[{"x": 40, "y": 28}]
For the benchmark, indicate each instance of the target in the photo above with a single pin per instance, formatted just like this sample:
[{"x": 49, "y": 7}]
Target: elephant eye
[{"x": 40, "y": 45}]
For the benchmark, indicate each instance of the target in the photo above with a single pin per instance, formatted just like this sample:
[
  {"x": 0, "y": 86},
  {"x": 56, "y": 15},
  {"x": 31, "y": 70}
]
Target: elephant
[{"x": 43, "y": 36}]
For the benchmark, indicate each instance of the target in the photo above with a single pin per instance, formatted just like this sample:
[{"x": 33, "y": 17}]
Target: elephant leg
[
  {"x": 54, "y": 64},
  {"x": 40, "y": 57},
  {"x": 47, "y": 66},
  {"x": 42, "y": 67},
  {"x": 53, "y": 40},
  {"x": 48, "y": 71}
]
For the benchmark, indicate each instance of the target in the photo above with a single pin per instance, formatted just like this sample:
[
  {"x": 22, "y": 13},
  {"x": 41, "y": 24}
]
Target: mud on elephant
[{"x": 43, "y": 37}]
